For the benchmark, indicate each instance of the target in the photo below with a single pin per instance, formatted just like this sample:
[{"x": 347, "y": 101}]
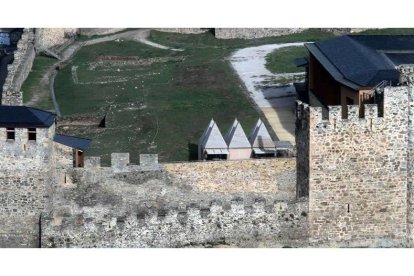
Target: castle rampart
[
  {"x": 19, "y": 69},
  {"x": 252, "y": 33},
  {"x": 235, "y": 224},
  {"x": 175, "y": 204}
]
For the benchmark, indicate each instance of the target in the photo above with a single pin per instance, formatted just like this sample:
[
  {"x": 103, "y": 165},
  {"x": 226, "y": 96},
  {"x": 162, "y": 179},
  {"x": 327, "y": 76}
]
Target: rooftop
[
  {"x": 72, "y": 141},
  {"x": 236, "y": 137},
  {"x": 361, "y": 61},
  {"x": 25, "y": 117},
  {"x": 212, "y": 138},
  {"x": 260, "y": 137}
]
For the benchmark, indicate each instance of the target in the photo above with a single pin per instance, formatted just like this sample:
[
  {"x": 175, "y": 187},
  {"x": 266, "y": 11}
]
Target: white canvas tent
[
  {"x": 212, "y": 145},
  {"x": 239, "y": 145},
  {"x": 261, "y": 141}
]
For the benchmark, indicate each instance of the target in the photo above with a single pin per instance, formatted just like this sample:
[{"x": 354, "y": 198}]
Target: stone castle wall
[
  {"x": 302, "y": 149},
  {"x": 25, "y": 186},
  {"x": 235, "y": 225},
  {"x": 358, "y": 172},
  {"x": 99, "y": 31},
  {"x": 273, "y": 175},
  {"x": 407, "y": 78},
  {"x": 183, "y": 30},
  {"x": 125, "y": 205},
  {"x": 46, "y": 38},
  {"x": 19, "y": 69},
  {"x": 252, "y": 33}
]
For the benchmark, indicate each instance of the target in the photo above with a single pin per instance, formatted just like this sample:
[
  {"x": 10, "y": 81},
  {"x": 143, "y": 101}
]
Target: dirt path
[
  {"x": 277, "y": 103},
  {"x": 48, "y": 78}
]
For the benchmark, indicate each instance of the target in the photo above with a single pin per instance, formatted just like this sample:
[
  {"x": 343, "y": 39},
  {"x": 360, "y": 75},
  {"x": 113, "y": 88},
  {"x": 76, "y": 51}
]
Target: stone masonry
[
  {"x": 175, "y": 205},
  {"x": 253, "y": 33},
  {"x": 217, "y": 225},
  {"x": 357, "y": 178},
  {"x": 26, "y": 177},
  {"x": 350, "y": 186},
  {"x": 19, "y": 69}
]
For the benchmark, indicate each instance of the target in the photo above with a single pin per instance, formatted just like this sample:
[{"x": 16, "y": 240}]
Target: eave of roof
[
  {"x": 335, "y": 73},
  {"x": 72, "y": 141},
  {"x": 25, "y": 117}
]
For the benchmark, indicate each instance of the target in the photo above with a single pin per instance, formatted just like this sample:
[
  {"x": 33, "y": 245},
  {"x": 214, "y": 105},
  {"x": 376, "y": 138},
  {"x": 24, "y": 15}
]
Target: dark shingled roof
[
  {"x": 73, "y": 142},
  {"x": 364, "y": 60},
  {"x": 25, "y": 117}
]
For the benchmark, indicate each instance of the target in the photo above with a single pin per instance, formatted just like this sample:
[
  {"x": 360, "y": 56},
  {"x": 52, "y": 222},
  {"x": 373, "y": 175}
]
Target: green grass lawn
[
  {"x": 282, "y": 60},
  {"x": 159, "y": 107},
  {"x": 33, "y": 86}
]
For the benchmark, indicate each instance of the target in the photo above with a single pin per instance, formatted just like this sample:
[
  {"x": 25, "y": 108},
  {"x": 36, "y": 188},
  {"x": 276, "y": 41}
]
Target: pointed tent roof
[
  {"x": 212, "y": 138},
  {"x": 236, "y": 138},
  {"x": 259, "y": 136}
]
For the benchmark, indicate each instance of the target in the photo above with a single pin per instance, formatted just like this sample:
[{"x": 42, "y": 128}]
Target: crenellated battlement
[
  {"x": 336, "y": 121},
  {"x": 200, "y": 211},
  {"x": 347, "y": 163},
  {"x": 234, "y": 222},
  {"x": 302, "y": 110},
  {"x": 406, "y": 74}
]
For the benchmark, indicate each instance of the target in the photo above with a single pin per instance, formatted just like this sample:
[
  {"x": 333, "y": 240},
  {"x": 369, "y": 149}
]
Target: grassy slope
[
  {"x": 33, "y": 85},
  {"x": 170, "y": 107},
  {"x": 179, "y": 99}
]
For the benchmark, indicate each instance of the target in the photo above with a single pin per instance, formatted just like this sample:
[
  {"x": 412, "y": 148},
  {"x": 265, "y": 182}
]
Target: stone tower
[
  {"x": 407, "y": 79},
  {"x": 354, "y": 171},
  {"x": 25, "y": 173}
]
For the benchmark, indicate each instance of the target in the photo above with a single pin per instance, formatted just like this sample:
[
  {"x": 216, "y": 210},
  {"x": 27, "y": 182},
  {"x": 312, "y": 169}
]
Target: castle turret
[
  {"x": 355, "y": 172},
  {"x": 26, "y": 158},
  {"x": 31, "y": 160}
]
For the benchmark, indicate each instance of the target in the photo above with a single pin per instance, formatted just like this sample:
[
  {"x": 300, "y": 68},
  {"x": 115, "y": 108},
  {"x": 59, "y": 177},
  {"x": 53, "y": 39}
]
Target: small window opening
[
  {"x": 349, "y": 207},
  {"x": 11, "y": 133},
  {"x": 31, "y": 134}
]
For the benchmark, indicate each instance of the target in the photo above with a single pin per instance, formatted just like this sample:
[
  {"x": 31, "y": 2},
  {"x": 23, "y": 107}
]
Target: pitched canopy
[
  {"x": 212, "y": 138},
  {"x": 236, "y": 137},
  {"x": 260, "y": 137}
]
